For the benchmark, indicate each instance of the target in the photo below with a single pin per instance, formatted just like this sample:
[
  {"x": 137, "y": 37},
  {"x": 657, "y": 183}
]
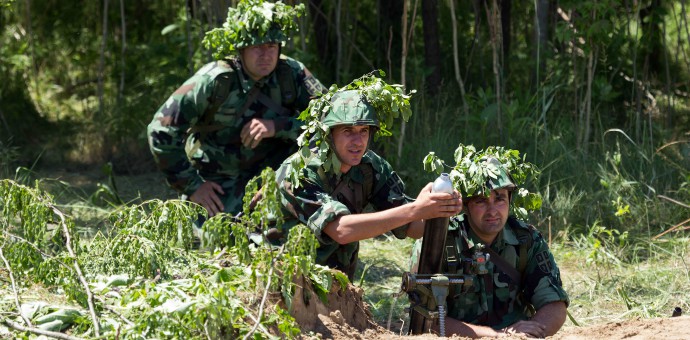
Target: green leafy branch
[
  {"x": 191, "y": 296},
  {"x": 471, "y": 173},
  {"x": 35, "y": 212}
]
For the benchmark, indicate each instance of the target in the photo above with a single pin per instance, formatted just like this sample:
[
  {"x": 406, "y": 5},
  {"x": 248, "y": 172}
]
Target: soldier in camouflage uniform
[
  {"x": 522, "y": 292},
  {"x": 332, "y": 205},
  {"x": 233, "y": 118}
]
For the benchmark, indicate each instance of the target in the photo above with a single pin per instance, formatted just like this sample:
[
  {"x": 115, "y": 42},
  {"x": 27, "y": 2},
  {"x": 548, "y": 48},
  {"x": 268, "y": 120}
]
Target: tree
[
  {"x": 322, "y": 32},
  {"x": 432, "y": 47},
  {"x": 389, "y": 31}
]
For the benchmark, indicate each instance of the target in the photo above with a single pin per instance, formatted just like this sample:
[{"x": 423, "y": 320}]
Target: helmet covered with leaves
[
  {"x": 478, "y": 172},
  {"x": 349, "y": 107},
  {"x": 253, "y": 22},
  {"x": 497, "y": 178},
  {"x": 367, "y": 100}
]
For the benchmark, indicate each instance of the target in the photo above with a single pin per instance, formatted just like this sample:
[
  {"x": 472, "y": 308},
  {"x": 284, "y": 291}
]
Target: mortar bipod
[{"x": 428, "y": 293}]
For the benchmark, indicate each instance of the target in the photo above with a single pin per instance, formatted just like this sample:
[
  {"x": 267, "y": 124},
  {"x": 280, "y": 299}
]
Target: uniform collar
[
  {"x": 505, "y": 237},
  {"x": 246, "y": 82}
]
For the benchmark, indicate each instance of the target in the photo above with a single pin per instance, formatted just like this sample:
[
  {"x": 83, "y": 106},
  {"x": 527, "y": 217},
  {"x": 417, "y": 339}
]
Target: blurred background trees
[{"x": 595, "y": 92}]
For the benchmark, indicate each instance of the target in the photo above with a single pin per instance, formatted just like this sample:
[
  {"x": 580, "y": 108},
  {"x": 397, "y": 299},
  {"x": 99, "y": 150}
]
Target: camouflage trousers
[{"x": 233, "y": 188}]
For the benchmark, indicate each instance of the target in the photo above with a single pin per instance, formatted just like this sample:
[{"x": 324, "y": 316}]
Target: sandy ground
[{"x": 347, "y": 317}]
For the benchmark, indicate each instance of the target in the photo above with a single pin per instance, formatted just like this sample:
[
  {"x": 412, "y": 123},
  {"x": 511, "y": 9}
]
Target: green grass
[{"x": 382, "y": 262}]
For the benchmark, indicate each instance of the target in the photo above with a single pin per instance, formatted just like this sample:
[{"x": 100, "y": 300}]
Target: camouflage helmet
[
  {"x": 350, "y": 108},
  {"x": 498, "y": 178},
  {"x": 253, "y": 22}
]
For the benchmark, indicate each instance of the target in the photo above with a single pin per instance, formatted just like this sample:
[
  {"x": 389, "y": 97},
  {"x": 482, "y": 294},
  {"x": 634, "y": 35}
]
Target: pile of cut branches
[{"x": 141, "y": 278}]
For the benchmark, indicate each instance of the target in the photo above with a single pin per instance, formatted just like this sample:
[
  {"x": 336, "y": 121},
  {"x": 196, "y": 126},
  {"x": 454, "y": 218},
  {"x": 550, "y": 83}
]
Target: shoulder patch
[
  {"x": 544, "y": 262},
  {"x": 313, "y": 86}
]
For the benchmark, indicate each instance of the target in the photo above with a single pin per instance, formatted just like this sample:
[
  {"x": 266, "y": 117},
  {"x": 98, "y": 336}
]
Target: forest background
[{"x": 595, "y": 93}]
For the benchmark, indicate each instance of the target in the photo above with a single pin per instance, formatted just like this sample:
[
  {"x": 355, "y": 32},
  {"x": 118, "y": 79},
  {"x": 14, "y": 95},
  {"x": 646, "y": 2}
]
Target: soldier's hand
[
  {"x": 207, "y": 196},
  {"x": 526, "y": 327},
  {"x": 255, "y": 130},
  {"x": 438, "y": 204}
]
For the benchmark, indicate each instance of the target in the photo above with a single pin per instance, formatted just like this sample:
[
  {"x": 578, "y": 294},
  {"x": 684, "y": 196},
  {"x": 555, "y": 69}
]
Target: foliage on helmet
[
  {"x": 479, "y": 172},
  {"x": 253, "y": 22},
  {"x": 349, "y": 107},
  {"x": 389, "y": 102}
]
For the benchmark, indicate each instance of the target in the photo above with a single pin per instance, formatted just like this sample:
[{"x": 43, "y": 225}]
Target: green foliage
[
  {"x": 253, "y": 22},
  {"x": 142, "y": 266},
  {"x": 472, "y": 172},
  {"x": 31, "y": 215},
  {"x": 390, "y": 102}
]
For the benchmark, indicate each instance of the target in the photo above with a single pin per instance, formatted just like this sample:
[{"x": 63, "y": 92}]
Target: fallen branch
[
  {"x": 14, "y": 288},
  {"x": 68, "y": 242},
  {"x": 258, "y": 322},
  {"x": 674, "y": 201},
  {"x": 110, "y": 309},
  {"x": 44, "y": 254},
  {"x": 263, "y": 298},
  {"x": 222, "y": 252},
  {"x": 56, "y": 335},
  {"x": 674, "y": 228}
]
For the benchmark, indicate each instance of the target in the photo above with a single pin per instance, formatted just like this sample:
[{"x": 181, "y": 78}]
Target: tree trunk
[
  {"x": 34, "y": 64},
  {"x": 190, "y": 47},
  {"x": 432, "y": 47},
  {"x": 541, "y": 26},
  {"x": 494, "y": 20},
  {"x": 403, "y": 63},
  {"x": 506, "y": 10},
  {"x": 101, "y": 64},
  {"x": 123, "y": 52},
  {"x": 321, "y": 33},
  {"x": 587, "y": 123},
  {"x": 477, "y": 10},
  {"x": 338, "y": 41},
  {"x": 390, "y": 12},
  {"x": 651, "y": 18},
  {"x": 456, "y": 61}
]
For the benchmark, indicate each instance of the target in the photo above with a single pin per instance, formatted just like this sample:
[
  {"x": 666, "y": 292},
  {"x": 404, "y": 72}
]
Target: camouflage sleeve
[
  {"x": 310, "y": 204},
  {"x": 168, "y": 130},
  {"x": 308, "y": 87},
  {"x": 389, "y": 191},
  {"x": 543, "y": 278}
]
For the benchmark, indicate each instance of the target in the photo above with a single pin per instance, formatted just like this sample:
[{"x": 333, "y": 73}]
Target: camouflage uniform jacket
[
  {"x": 494, "y": 299},
  {"x": 313, "y": 204},
  {"x": 187, "y": 160}
]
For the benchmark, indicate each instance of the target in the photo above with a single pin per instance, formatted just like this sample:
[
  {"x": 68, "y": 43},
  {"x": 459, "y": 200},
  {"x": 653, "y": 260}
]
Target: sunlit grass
[
  {"x": 650, "y": 284},
  {"x": 382, "y": 262},
  {"x": 646, "y": 286}
]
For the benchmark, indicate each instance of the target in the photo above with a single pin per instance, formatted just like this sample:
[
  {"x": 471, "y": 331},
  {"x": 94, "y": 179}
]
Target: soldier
[
  {"x": 331, "y": 201},
  {"x": 522, "y": 292},
  {"x": 237, "y": 115}
]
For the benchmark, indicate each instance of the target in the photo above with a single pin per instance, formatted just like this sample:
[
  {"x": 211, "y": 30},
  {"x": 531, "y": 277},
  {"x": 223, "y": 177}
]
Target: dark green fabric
[{"x": 187, "y": 160}]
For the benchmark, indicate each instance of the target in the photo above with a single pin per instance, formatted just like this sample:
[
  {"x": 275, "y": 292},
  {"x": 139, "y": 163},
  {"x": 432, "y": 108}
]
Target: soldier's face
[
  {"x": 350, "y": 144},
  {"x": 259, "y": 61},
  {"x": 488, "y": 215}
]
